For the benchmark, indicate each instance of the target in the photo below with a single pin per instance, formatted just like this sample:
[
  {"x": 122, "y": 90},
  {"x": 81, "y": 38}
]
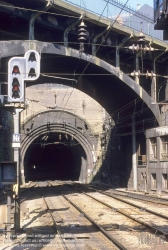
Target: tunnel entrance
[{"x": 54, "y": 157}]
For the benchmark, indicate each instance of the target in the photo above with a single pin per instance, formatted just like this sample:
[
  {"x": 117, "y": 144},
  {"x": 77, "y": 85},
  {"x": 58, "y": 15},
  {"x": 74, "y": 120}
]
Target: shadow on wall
[{"x": 110, "y": 166}]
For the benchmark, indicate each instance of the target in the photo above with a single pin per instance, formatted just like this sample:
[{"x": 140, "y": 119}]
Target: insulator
[
  {"x": 82, "y": 34},
  {"x": 82, "y": 25},
  {"x": 82, "y": 30},
  {"x": 134, "y": 73},
  {"x": 60, "y": 137},
  {"x": 82, "y": 38},
  {"x": 151, "y": 75}
]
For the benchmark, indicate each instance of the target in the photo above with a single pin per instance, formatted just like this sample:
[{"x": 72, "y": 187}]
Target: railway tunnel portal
[{"x": 102, "y": 74}]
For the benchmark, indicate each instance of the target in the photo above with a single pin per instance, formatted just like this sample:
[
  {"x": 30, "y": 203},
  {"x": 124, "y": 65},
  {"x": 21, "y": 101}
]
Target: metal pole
[
  {"x": 8, "y": 216},
  {"x": 134, "y": 163},
  {"x": 16, "y": 117}
]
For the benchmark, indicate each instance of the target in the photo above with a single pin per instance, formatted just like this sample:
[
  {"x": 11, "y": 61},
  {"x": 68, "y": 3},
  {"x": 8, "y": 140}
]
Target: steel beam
[
  {"x": 69, "y": 28},
  {"x": 95, "y": 39},
  {"x": 34, "y": 17}
]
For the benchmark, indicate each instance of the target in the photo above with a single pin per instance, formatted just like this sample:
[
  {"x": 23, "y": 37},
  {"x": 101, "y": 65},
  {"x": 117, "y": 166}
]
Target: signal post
[{"x": 20, "y": 69}]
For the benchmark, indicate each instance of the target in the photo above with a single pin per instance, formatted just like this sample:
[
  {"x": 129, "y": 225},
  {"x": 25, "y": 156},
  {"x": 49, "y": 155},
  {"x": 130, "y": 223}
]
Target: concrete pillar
[
  {"x": 147, "y": 166},
  {"x": 166, "y": 91},
  {"x": 153, "y": 89},
  {"x": 137, "y": 67},
  {"x": 117, "y": 55},
  {"x": 134, "y": 155},
  {"x": 117, "y": 58},
  {"x": 158, "y": 172},
  {"x": 83, "y": 173}
]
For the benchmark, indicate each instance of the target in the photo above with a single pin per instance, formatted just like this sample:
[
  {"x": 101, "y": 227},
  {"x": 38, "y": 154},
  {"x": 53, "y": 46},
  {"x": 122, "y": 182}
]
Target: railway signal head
[
  {"x": 19, "y": 70},
  {"x": 16, "y": 74},
  {"x": 32, "y": 65}
]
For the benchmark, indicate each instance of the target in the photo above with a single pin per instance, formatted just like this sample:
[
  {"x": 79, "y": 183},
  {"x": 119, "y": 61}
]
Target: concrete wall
[{"x": 159, "y": 165}]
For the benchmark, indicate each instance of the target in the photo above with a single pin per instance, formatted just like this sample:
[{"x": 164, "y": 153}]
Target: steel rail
[
  {"x": 137, "y": 196},
  {"x": 141, "y": 195},
  {"x": 129, "y": 203},
  {"x": 55, "y": 225},
  {"x": 127, "y": 215},
  {"x": 111, "y": 238}
]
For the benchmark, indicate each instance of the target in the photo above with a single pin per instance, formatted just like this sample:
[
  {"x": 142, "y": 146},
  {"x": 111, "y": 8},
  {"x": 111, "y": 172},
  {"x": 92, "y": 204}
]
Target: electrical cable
[
  {"x": 96, "y": 52},
  {"x": 38, "y": 11}
]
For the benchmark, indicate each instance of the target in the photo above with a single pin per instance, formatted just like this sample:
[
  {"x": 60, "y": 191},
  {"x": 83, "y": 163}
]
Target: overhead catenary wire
[
  {"x": 38, "y": 11},
  {"x": 96, "y": 52},
  {"x": 127, "y": 117}
]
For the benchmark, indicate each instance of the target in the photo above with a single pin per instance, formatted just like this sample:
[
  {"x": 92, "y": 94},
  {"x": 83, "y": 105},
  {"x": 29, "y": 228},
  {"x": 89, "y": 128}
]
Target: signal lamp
[
  {"x": 32, "y": 57},
  {"x": 15, "y": 70},
  {"x": 32, "y": 73}
]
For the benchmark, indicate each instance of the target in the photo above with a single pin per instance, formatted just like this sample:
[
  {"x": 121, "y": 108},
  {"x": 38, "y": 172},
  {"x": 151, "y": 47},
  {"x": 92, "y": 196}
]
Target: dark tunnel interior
[{"x": 53, "y": 160}]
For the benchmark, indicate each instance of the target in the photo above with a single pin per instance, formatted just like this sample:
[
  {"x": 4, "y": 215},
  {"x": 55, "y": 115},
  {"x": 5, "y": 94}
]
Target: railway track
[
  {"x": 136, "y": 196},
  {"x": 53, "y": 223},
  {"x": 160, "y": 210},
  {"x": 66, "y": 215},
  {"x": 138, "y": 228}
]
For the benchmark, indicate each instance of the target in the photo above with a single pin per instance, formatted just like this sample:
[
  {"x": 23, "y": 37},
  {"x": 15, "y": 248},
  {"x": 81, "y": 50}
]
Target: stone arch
[{"x": 12, "y": 48}]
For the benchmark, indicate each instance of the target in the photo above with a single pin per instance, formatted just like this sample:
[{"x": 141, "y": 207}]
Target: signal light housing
[
  {"x": 32, "y": 65},
  {"x": 16, "y": 88},
  {"x": 19, "y": 70}
]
